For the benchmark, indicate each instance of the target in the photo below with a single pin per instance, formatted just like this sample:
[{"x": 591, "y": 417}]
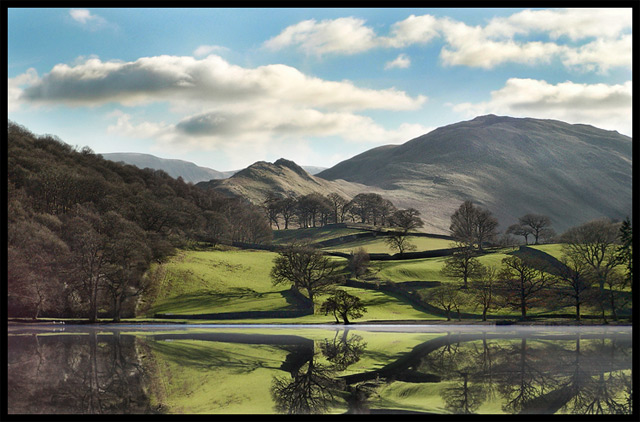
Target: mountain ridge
[
  {"x": 190, "y": 172},
  {"x": 511, "y": 166}
]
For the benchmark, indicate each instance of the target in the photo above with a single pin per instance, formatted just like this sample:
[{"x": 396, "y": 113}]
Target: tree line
[
  {"x": 317, "y": 210},
  {"x": 595, "y": 269},
  {"x": 82, "y": 230}
]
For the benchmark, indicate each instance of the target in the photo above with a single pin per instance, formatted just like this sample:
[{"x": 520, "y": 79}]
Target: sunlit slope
[
  {"x": 512, "y": 166},
  {"x": 215, "y": 281}
]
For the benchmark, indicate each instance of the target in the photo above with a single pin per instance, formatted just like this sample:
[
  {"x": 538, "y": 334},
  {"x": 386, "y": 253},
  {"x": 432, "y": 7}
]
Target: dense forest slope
[
  {"x": 82, "y": 230},
  {"x": 512, "y": 166}
]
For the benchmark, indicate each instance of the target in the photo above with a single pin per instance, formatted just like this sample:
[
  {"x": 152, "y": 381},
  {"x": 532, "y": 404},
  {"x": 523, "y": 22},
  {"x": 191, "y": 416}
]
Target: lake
[{"x": 177, "y": 369}]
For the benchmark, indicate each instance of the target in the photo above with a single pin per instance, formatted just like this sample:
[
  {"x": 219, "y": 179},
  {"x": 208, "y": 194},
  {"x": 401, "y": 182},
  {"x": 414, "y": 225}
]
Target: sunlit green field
[
  {"x": 218, "y": 281},
  {"x": 553, "y": 249},
  {"x": 195, "y": 282},
  {"x": 201, "y": 282}
]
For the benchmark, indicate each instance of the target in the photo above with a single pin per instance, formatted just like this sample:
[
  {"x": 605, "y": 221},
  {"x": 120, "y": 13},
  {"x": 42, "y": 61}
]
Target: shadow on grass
[
  {"x": 207, "y": 357},
  {"x": 211, "y": 301}
]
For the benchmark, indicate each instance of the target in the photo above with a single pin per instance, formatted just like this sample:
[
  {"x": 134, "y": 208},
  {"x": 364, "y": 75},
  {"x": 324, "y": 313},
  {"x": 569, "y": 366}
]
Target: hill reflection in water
[{"x": 444, "y": 369}]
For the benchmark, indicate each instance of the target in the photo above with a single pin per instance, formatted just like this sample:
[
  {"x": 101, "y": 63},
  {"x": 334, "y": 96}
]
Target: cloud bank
[{"x": 582, "y": 39}]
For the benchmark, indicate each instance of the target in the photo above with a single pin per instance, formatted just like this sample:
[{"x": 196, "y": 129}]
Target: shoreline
[{"x": 559, "y": 322}]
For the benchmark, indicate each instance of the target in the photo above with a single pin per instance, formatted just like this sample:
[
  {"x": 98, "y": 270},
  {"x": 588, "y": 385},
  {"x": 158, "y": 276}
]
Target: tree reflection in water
[
  {"x": 94, "y": 373},
  {"x": 512, "y": 372},
  {"x": 313, "y": 387},
  {"x": 537, "y": 374}
]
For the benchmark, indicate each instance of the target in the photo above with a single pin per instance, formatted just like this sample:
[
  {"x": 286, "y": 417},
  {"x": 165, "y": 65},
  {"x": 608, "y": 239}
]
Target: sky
[{"x": 224, "y": 88}]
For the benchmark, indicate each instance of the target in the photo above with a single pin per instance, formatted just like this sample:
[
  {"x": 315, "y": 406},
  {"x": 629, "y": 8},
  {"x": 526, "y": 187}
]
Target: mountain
[
  {"x": 511, "y": 166},
  {"x": 283, "y": 178},
  {"x": 189, "y": 171}
]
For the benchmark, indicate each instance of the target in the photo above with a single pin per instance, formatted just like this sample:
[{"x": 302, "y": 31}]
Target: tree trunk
[
  {"x": 310, "y": 293},
  {"x": 484, "y": 314},
  {"x": 117, "y": 306}
]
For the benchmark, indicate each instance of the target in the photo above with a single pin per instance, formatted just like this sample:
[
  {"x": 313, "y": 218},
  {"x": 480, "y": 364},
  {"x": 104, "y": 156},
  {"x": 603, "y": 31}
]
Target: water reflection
[
  {"x": 320, "y": 371},
  {"x": 90, "y": 373}
]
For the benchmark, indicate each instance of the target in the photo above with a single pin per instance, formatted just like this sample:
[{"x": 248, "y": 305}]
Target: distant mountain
[
  {"x": 512, "y": 166},
  {"x": 174, "y": 168},
  {"x": 313, "y": 170},
  {"x": 283, "y": 178},
  {"x": 189, "y": 171}
]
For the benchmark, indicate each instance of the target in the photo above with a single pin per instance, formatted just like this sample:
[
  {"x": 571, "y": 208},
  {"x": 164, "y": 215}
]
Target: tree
[
  {"x": 343, "y": 304},
  {"x": 625, "y": 250},
  {"x": 400, "y": 242},
  {"x": 462, "y": 264},
  {"x": 520, "y": 230},
  {"x": 305, "y": 268},
  {"x": 406, "y": 220},
  {"x": 575, "y": 282},
  {"x": 371, "y": 208},
  {"x": 484, "y": 288},
  {"x": 595, "y": 243},
  {"x": 485, "y": 227},
  {"x": 338, "y": 203},
  {"x": 523, "y": 284},
  {"x": 463, "y": 222},
  {"x": 127, "y": 259},
  {"x": 84, "y": 235},
  {"x": 359, "y": 262},
  {"x": 287, "y": 210},
  {"x": 448, "y": 296},
  {"x": 473, "y": 225},
  {"x": 537, "y": 225},
  {"x": 272, "y": 209}
]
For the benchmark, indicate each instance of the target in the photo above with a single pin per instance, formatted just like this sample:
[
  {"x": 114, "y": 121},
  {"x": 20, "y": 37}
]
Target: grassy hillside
[
  {"x": 213, "y": 281},
  {"x": 220, "y": 281}
]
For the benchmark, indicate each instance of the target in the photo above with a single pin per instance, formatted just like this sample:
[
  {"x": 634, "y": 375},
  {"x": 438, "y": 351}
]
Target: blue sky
[{"x": 224, "y": 88}]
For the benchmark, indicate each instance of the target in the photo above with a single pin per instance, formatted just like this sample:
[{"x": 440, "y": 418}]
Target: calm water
[{"x": 368, "y": 369}]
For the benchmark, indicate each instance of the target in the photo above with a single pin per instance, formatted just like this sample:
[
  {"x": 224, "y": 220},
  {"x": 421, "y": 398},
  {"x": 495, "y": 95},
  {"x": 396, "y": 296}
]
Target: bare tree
[
  {"x": 448, "y": 296},
  {"x": 575, "y": 283},
  {"x": 463, "y": 222},
  {"x": 596, "y": 244},
  {"x": 520, "y": 230},
  {"x": 523, "y": 284},
  {"x": 305, "y": 268},
  {"x": 338, "y": 203},
  {"x": 473, "y": 225},
  {"x": 485, "y": 289},
  {"x": 462, "y": 265},
  {"x": 537, "y": 225}
]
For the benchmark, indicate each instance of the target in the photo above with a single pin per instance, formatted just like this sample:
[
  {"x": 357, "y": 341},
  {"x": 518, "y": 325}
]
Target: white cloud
[
  {"x": 601, "y": 105},
  {"x": 211, "y": 80},
  {"x": 401, "y": 62},
  {"x": 205, "y": 50},
  {"x": 342, "y": 35},
  {"x": 16, "y": 85},
  {"x": 89, "y": 20},
  {"x": 600, "y": 38}
]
